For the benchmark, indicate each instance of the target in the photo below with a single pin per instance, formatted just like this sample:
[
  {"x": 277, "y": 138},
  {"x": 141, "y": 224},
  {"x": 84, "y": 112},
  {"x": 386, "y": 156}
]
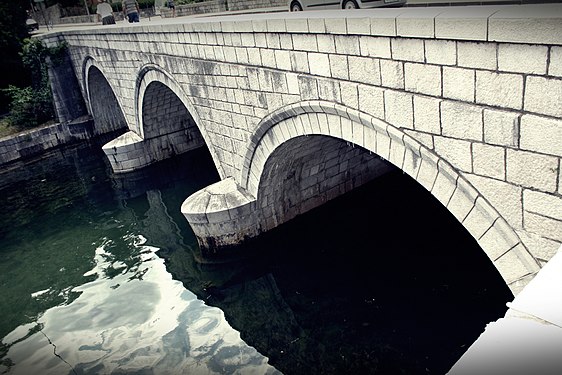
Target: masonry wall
[{"x": 482, "y": 93}]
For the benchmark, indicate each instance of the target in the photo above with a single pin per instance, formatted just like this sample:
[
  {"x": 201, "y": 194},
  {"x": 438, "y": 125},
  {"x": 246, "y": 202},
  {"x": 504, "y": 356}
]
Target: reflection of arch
[
  {"x": 153, "y": 78},
  {"x": 495, "y": 236},
  {"x": 102, "y": 102}
]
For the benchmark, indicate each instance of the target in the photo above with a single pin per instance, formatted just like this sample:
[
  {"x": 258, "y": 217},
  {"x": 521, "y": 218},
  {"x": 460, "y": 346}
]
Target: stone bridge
[{"x": 299, "y": 108}]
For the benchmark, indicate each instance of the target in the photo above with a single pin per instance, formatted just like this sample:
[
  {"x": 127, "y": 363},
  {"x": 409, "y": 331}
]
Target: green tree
[
  {"x": 33, "y": 105},
  {"x": 12, "y": 33}
]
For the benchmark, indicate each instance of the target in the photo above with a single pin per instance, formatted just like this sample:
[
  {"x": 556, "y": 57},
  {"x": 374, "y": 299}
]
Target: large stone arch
[
  {"x": 495, "y": 236},
  {"x": 104, "y": 106},
  {"x": 182, "y": 115}
]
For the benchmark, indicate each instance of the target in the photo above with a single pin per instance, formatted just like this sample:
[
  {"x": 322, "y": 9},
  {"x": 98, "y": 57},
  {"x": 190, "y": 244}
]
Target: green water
[{"x": 99, "y": 275}]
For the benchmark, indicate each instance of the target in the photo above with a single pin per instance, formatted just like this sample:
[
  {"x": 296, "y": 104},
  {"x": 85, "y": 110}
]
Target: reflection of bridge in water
[{"x": 297, "y": 109}]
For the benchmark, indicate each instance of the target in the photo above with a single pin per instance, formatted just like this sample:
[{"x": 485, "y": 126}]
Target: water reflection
[{"x": 85, "y": 290}]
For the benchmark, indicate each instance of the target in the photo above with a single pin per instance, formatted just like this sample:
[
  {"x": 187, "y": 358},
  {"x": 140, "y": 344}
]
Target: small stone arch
[
  {"x": 494, "y": 235},
  {"x": 106, "y": 120},
  {"x": 155, "y": 75}
]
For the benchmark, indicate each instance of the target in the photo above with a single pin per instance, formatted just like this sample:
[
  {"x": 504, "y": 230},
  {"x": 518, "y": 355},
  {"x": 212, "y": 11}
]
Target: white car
[{"x": 298, "y": 5}]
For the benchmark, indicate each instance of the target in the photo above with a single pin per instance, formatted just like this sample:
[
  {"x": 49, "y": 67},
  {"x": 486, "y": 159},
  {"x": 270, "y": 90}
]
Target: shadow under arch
[
  {"x": 492, "y": 232},
  {"x": 104, "y": 106},
  {"x": 154, "y": 82}
]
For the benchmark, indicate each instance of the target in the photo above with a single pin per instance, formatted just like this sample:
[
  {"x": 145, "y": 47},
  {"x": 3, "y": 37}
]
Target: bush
[{"x": 33, "y": 105}]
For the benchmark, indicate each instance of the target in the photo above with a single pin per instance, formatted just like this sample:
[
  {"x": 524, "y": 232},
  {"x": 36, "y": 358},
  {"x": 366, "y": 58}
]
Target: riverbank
[{"x": 36, "y": 141}]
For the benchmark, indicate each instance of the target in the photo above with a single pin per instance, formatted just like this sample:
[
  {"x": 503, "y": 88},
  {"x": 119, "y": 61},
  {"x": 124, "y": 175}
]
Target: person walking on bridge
[
  {"x": 131, "y": 10},
  {"x": 105, "y": 12}
]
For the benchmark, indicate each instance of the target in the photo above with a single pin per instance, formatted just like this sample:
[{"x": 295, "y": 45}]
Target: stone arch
[
  {"x": 492, "y": 232},
  {"x": 104, "y": 106},
  {"x": 183, "y": 116}
]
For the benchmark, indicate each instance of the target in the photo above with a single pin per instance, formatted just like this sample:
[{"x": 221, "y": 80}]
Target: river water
[{"x": 100, "y": 274}]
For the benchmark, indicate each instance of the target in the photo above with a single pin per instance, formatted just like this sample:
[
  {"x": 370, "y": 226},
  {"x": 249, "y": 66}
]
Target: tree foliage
[
  {"x": 12, "y": 33},
  {"x": 33, "y": 105}
]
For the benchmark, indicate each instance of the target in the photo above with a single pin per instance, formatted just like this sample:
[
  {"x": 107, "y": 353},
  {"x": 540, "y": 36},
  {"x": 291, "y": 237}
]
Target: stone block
[
  {"x": 399, "y": 109},
  {"x": 542, "y": 204},
  {"x": 427, "y": 115},
  {"x": 504, "y": 197},
  {"x": 371, "y": 100},
  {"x": 423, "y": 78},
  {"x": 522, "y": 58},
  {"x": 462, "y": 121},
  {"x": 383, "y": 145},
  {"x": 329, "y": 90},
  {"x": 541, "y": 248},
  {"x": 334, "y": 126},
  {"x": 283, "y": 60},
  {"x": 319, "y": 64},
  {"x": 454, "y": 151},
  {"x": 555, "y": 58},
  {"x": 543, "y": 95},
  {"x": 347, "y": 45},
  {"x": 462, "y": 201},
  {"x": 516, "y": 264},
  {"x": 444, "y": 185},
  {"x": 296, "y": 25},
  {"x": 501, "y": 127},
  {"x": 428, "y": 170},
  {"x": 335, "y": 25},
  {"x": 392, "y": 73},
  {"x": 441, "y": 52},
  {"x": 316, "y": 25},
  {"x": 541, "y": 25},
  {"x": 305, "y": 42},
  {"x": 424, "y": 139},
  {"x": 499, "y": 89},
  {"x": 375, "y": 46},
  {"x": 498, "y": 240},
  {"x": 273, "y": 41},
  {"x": 488, "y": 160},
  {"x": 418, "y": 24},
  {"x": 468, "y": 23},
  {"x": 541, "y": 134},
  {"x": 532, "y": 170},
  {"x": 358, "y": 26},
  {"x": 326, "y": 43},
  {"x": 364, "y": 70},
  {"x": 339, "y": 67},
  {"x": 481, "y": 218},
  {"x": 543, "y": 226},
  {"x": 276, "y": 25},
  {"x": 349, "y": 94},
  {"x": 407, "y": 49},
  {"x": 477, "y": 55},
  {"x": 396, "y": 155},
  {"x": 299, "y": 62},
  {"x": 458, "y": 83}
]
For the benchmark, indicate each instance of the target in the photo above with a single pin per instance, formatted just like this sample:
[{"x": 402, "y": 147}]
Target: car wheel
[
  {"x": 296, "y": 7},
  {"x": 350, "y": 4}
]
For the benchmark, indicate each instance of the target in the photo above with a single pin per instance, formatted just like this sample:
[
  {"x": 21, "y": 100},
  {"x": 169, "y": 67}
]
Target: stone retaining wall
[{"x": 37, "y": 141}]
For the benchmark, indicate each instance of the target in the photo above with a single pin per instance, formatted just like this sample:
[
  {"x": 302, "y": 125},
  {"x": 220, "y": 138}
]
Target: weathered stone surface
[
  {"x": 441, "y": 52},
  {"x": 522, "y": 58},
  {"x": 488, "y": 160},
  {"x": 423, "y": 78},
  {"x": 477, "y": 55},
  {"x": 501, "y": 127},
  {"x": 427, "y": 114},
  {"x": 497, "y": 89},
  {"x": 399, "y": 109},
  {"x": 543, "y": 95},
  {"x": 392, "y": 73},
  {"x": 541, "y": 134},
  {"x": 455, "y": 151},
  {"x": 532, "y": 170},
  {"x": 461, "y": 121},
  {"x": 458, "y": 83},
  {"x": 407, "y": 49}
]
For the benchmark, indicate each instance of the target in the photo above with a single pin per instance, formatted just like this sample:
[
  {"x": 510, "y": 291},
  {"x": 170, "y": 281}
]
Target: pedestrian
[
  {"x": 172, "y": 6},
  {"x": 105, "y": 13},
  {"x": 131, "y": 10}
]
